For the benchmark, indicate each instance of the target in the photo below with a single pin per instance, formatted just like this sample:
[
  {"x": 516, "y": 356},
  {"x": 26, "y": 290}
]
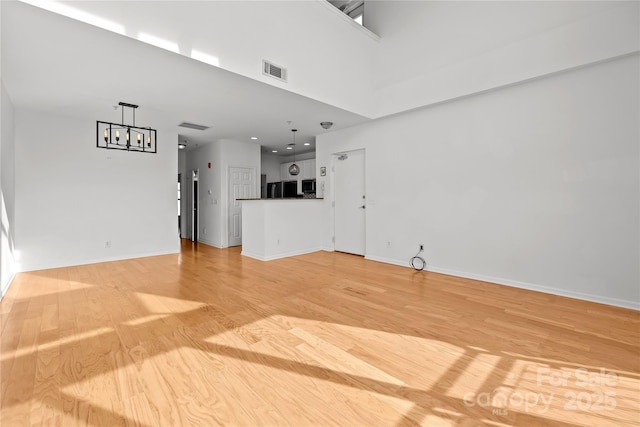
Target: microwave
[{"x": 308, "y": 185}]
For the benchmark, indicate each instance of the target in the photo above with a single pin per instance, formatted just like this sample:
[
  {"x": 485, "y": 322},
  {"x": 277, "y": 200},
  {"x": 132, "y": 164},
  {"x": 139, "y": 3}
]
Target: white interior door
[
  {"x": 242, "y": 185},
  {"x": 350, "y": 206}
]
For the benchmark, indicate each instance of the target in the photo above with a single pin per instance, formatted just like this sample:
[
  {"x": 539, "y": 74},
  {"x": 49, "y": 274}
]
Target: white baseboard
[
  {"x": 253, "y": 255},
  {"x": 210, "y": 243},
  {"x": 634, "y": 305},
  {"x": 47, "y": 266},
  {"x": 386, "y": 260},
  {"x": 5, "y": 286}
]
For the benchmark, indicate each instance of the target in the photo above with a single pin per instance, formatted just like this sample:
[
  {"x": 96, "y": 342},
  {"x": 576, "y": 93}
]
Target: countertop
[{"x": 287, "y": 198}]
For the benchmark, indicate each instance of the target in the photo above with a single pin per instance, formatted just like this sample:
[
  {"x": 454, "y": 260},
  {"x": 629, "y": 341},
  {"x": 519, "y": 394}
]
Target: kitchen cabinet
[
  {"x": 284, "y": 172},
  {"x": 307, "y": 170}
]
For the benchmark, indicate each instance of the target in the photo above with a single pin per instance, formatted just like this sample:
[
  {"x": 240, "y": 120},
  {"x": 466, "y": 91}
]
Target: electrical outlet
[
  {"x": 388, "y": 243},
  {"x": 107, "y": 244}
]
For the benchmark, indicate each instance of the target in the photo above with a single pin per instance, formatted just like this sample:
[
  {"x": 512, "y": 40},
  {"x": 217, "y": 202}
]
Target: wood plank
[{"x": 209, "y": 337}]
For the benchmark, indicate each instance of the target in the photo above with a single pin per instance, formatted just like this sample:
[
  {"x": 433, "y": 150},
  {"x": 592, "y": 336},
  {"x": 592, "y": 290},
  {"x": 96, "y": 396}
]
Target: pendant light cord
[{"x": 294, "y": 144}]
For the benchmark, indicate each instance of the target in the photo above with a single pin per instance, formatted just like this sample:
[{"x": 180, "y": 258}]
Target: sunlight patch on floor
[
  {"x": 145, "y": 319},
  {"x": 413, "y": 340},
  {"x": 436, "y": 421},
  {"x": 560, "y": 392},
  {"x": 558, "y": 362},
  {"x": 476, "y": 373},
  {"x": 159, "y": 304},
  {"x": 43, "y": 285},
  {"x": 66, "y": 341}
]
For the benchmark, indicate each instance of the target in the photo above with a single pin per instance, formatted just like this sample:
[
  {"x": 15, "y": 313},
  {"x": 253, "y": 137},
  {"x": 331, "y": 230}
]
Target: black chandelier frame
[{"x": 121, "y": 136}]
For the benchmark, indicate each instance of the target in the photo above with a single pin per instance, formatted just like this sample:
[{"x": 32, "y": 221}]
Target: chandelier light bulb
[
  {"x": 106, "y": 135},
  {"x": 117, "y": 136}
]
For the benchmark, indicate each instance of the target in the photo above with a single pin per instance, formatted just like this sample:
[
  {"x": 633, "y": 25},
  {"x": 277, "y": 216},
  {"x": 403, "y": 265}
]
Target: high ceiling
[
  {"x": 58, "y": 64},
  {"x": 352, "y": 8}
]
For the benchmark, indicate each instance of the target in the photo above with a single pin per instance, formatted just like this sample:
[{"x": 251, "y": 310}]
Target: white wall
[
  {"x": 270, "y": 164},
  {"x": 428, "y": 52},
  {"x": 303, "y": 156},
  {"x": 432, "y": 51},
  {"x": 214, "y": 207},
  {"x": 209, "y": 179},
  {"x": 535, "y": 185},
  {"x": 327, "y": 50},
  {"x": 7, "y": 191},
  {"x": 71, "y": 197}
]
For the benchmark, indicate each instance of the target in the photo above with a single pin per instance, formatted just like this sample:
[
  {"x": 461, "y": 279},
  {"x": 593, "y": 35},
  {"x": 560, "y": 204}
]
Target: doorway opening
[
  {"x": 194, "y": 206},
  {"x": 179, "y": 206}
]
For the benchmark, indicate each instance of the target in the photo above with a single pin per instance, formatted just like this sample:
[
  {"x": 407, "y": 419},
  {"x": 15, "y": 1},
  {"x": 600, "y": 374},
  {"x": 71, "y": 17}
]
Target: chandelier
[{"x": 121, "y": 136}]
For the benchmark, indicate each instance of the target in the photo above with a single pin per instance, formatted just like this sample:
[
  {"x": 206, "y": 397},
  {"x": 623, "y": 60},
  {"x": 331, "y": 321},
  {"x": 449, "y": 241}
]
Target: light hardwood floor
[{"x": 209, "y": 337}]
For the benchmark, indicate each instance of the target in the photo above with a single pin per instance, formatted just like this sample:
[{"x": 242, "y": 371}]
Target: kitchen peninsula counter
[
  {"x": 279, "y": 228},
  {"x": 284, "y": 198}
]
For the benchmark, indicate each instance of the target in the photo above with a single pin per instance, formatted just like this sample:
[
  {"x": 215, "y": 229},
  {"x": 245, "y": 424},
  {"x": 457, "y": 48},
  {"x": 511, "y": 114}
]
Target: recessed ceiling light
[
  {"x": 289, "y": 148},
  {"x": 254, "y": 137},
  {"x": 274, "y": 151},
  {"x": 182, "y": 146},
  {"x": 306, "y": 143}
]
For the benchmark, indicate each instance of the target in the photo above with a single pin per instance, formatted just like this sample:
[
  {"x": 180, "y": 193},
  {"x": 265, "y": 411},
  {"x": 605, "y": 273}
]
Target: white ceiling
[{"x": 54, "y": 63}]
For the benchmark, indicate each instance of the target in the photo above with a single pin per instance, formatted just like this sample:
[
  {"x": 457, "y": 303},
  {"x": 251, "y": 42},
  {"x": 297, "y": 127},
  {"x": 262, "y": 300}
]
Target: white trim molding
[{"x": 633, "y": 305}]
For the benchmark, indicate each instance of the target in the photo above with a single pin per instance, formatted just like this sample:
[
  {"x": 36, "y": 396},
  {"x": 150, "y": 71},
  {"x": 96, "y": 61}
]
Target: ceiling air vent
[
  {"x": 193, "y": 126},
  {"x": 273, "y": 70}
]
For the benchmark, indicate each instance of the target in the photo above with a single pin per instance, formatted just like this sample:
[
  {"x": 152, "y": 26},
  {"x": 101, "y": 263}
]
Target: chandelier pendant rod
[{"x": 133, "y": 107}]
